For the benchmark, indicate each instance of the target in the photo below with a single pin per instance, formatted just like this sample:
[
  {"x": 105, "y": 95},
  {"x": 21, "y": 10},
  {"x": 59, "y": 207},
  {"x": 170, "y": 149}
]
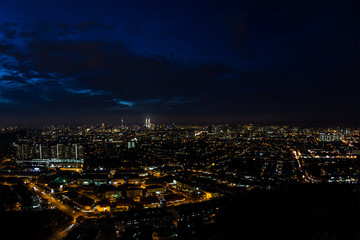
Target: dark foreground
[{"x": 292, "y": 212}]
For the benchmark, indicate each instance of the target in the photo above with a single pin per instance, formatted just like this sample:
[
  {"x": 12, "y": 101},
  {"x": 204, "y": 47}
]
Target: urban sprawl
[{"x": 164, "y": 174}]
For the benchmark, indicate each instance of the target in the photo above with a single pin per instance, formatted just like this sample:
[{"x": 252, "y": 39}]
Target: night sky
[{"x": 74, "y": 62}]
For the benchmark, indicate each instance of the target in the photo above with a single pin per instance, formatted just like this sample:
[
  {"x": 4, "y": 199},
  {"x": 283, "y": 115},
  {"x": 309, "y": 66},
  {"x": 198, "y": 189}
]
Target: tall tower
[
  {"x": 40, "y": 151},
  {"x": 147, "y": 123},
  {"x": 76, "y": 151},
  {"x": 122, "y": 123}
]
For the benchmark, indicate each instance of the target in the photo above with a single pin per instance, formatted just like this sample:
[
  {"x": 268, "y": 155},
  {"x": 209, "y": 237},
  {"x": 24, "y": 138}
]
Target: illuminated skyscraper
[
  {"x": 147, "y": 123},
  {"x": 131, "y": 144}
]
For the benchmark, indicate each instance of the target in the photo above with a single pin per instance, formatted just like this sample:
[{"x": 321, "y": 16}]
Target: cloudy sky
[{"x": 179, "y": 61}]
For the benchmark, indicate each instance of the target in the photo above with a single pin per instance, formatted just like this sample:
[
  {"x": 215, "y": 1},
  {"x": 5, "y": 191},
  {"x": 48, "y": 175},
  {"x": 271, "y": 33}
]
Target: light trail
[{"x": 297, "y": 159}]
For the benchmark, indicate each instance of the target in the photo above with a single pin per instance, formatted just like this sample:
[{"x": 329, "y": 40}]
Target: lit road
[
  {"x": 305, "y": 175},
  {"x": 346, "y": 142},
  {"x": 64, "y": 230},
  {"x": 4, "y": 161},
  {"x": 297, "y": 159},
  {"x": 54, "y": 201}
]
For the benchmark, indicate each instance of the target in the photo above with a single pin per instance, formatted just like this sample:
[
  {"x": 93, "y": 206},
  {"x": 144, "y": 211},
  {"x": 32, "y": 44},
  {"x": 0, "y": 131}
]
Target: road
[
  {"x": 4, "y": 161},
  {"x": 65, "y": 229},
  {"x": 54, "y": 201},
  {"x": 306, "y": 176}
]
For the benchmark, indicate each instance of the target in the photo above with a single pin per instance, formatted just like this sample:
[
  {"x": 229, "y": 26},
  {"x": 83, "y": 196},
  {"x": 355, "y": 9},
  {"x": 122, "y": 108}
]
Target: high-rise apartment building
[
  {"x": 329, "y": 137},
  {"x": 57, "y": 151}
]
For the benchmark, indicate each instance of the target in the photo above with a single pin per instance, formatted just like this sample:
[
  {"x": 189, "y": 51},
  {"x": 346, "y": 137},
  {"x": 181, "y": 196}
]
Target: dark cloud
[
  {"x": 239, "y": 61},
  {"x": 7, "y": 29},
  {"x": 9, "y": 33},
  {"x": 109, "y": 76},
  {"x": 91, "y": 25},
  {"x": 324, "y": 47},
  {"x": 239, "y": 34},
  {"x": 5, "y": 48},
  {"x": 64, "y": 25},
  {"x": 28, "y": 35},
  {"x": 133, "y": 27},
  {"x": 49, "y": 31},
  {"x": 111, "y": 66}
]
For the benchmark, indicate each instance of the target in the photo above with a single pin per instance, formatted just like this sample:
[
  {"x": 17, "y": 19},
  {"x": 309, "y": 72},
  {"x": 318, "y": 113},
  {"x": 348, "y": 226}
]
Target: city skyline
[
  {"x": 182, "y": 119},
  {"x": 156, "y": 181},
  {"x": 194, "y": 62}
]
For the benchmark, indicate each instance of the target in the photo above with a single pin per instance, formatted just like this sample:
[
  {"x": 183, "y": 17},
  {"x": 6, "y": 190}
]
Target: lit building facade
[
  {"x": 329, "y": 137},
  {"x": 147, "y": 123},
  {"x": 61, "y": 156}
]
